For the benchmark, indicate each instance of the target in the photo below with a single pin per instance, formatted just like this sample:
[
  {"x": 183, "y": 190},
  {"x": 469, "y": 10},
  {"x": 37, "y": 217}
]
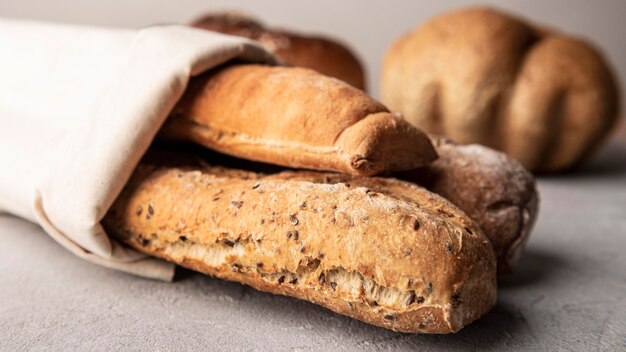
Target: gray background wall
[{"x": 369, "y": 26}]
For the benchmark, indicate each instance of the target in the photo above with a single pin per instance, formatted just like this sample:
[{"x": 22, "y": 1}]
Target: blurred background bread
[
  {"x": 325, "y": 55},
  {"x": 479, "y": 75}
]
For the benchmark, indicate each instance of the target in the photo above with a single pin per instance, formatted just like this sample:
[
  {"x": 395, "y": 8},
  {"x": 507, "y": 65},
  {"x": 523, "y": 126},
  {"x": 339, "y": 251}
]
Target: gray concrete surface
[{"x": 568, "y": 294}]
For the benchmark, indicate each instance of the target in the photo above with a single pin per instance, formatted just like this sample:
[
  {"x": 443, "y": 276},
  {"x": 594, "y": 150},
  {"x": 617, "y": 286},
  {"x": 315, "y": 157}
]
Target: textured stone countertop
[{"x": 568, "y": 294}]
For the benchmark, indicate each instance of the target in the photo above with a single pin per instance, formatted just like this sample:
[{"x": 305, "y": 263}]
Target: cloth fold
[{"x": 79, "y": 106}]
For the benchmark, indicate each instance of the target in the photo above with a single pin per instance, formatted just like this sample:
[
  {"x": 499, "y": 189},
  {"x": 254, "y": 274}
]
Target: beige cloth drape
[{"x": 78, "y": 108}]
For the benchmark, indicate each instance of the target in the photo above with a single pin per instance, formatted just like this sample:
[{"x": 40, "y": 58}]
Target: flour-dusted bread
[
  {"x": 298, "y": 118},
  {"x": 325, "y": 55},
  {"x": 493, "y": 189},
  {"x": 479, "y": 75},
  {"x": 379, "y": 250}
]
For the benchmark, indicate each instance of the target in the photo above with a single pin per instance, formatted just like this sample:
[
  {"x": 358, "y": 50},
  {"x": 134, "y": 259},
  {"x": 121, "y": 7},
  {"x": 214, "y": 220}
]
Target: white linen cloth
[{"x": 78, "y": 108}]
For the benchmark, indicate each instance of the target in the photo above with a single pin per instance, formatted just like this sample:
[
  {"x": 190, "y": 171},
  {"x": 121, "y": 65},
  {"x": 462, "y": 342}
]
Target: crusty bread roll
[
  {"x": 324, "y": 55},
  {"x": 298, "y": 118},
  {"x": 479, "y": 75},
  {"x": 379, "y": 250},
  {"x": 490, "y": 187}
]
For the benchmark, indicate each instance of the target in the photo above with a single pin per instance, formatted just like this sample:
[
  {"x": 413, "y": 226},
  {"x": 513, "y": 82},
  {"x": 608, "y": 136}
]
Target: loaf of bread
[
  {"x": 325, "y": 55},
  {"x": 491, "y": 188},
  {"x": 479, "y": 75},
  {"x": 297, "y": 118},
  {"x": 379, "y": 250}
]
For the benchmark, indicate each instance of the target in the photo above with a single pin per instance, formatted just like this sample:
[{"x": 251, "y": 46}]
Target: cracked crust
[
  {"x": 324, "y": 55},
  {"x": 379, "y": 250},
  {"x": 479, "y": 75},
  {"x": 297, "y": 118}
]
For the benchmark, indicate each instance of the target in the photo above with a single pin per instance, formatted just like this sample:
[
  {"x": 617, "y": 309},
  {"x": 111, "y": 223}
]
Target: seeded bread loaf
[
  {"x": 298, "y": 118},
  {"x": 379, "y": 250},
  {"x": 493, "y": 189},
  {"x": 324, "y": 55}
]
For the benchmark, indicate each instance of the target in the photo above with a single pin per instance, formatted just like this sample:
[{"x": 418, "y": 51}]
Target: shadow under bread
[
  {"x": 494, "y": 330},
  {"x": 534, "y": 267}
]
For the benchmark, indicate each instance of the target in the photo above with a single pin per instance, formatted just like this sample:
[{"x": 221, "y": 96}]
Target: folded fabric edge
[
  {"x": 141, "y": 265},
  {"x": 75, "y": 222}
]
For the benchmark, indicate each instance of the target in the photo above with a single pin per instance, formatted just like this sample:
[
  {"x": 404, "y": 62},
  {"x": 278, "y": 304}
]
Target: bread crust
[
  {"x": 379, "y": 250},
  {"x": 478, "y": 75},
  {"x": 297, "y": 118},
  {"x": 324, "y": 55},
  {"x": 490, "y": 187}
]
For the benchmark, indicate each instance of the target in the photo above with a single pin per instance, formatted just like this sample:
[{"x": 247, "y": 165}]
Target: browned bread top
[
  {"x": 324, "y": 55},
  {"x": 380, "y": 250},
  {"x": 479, "y": 75},
  {"x": 296, "y": 117}
]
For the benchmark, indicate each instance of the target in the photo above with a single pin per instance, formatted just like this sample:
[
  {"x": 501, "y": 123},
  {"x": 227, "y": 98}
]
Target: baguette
[
  {"x": 297, "y": 118},
  {"x": 493, "y": 189},
  {"x": 379, "y": 250}
]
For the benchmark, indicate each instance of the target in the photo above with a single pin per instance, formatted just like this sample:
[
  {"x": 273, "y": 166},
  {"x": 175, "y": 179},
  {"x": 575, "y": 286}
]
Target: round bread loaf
[
  {"x": 478, "y": 75},
  {"x": 324, "y": 55},
  {"x": 490, "y": 187}
]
